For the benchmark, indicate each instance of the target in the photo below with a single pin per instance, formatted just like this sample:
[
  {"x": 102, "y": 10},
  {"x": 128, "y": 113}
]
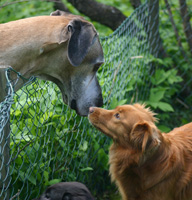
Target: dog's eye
[
  {"x": 96, "y": 66},
  {"x": 117, "y": 116},
  {"x": 67, "y": 196},
  {"x": 70, "y": 28},
  {"x": 47, "y": 195}
]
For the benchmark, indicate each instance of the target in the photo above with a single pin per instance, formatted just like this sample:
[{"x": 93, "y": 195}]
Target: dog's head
[
  {"x": 66, "y": 191},
  {"x": 75, "y": 44},
  {"x": 130, "y": 126}
]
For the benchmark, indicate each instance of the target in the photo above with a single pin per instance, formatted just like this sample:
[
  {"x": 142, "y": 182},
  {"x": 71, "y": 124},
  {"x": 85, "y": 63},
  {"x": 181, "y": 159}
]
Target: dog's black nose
[{"x": 91, "y": 110}]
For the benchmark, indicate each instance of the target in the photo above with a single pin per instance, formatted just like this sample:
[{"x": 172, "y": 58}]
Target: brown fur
[{"x": 144, "y": 163}]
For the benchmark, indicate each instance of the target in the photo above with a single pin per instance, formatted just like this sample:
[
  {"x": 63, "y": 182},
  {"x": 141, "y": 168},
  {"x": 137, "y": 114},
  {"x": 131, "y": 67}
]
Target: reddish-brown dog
[{"x": 145, "y": 163}]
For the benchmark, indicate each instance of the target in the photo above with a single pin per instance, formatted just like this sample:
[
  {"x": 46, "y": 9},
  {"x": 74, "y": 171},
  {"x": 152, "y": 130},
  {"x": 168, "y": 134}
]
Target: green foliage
[
  {"x": 162, "y": 87},
  {"x": 21, "y": 10},
  {"x": 51, "y": 140}
]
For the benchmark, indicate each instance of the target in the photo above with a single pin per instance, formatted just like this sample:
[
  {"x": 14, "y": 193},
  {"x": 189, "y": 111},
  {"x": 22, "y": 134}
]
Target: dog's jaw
[{"x": 94, "y": 120}]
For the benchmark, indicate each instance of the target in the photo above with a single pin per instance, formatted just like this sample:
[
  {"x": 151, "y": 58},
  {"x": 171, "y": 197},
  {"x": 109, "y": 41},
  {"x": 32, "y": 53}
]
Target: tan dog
[
  {"x": 145, "y": 163},
  {"x": 63, "y": 49}
]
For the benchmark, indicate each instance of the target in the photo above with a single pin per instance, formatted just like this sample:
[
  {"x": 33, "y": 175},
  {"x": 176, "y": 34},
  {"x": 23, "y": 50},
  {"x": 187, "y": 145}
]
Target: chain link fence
[
  {"x": 43, "y": 142},
  {"x": 176, "y": 33}
]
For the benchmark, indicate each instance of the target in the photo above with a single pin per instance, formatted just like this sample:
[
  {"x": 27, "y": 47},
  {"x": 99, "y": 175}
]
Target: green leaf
[
  {"x": 32, "y": 179},
  {"x": 103, "y": 158},
  {"x": 156, "y": 94},
  {"x": 17, "y": 113},
  {"x": 159, "y": 77},
  {"x": 22, "y": 175},
  {"x": 96, "y": 146},
  {"x": 84, "y": 146},
  {"x": 122, "y": 102},
  {"x": 165, "y": 107},
  {"x": 46, "y": 176},
  {"x": 163, "y": 128},
  {"x": 14, "y": 128},
  {"x": 114, "y": 102},
  {"x": 173, "y": 78},
  {"x": 86, "y": 169},
  {"x": 54, "y": 181},
  {"x": 153, "y": 104},
  {"x": 62, "y": 143}
]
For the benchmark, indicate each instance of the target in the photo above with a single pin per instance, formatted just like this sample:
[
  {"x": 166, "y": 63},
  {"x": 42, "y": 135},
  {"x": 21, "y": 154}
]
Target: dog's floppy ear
[
  {"x": 82, "y": 37},
  {"x": 59, "y": 13},
  {"x": 144, "y": 135}
]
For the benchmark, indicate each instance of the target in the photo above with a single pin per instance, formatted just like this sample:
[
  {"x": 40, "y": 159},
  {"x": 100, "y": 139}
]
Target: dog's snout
[{"x": 91, "y": 110}]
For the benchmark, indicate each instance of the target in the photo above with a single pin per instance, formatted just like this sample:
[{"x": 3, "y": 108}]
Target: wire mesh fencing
[
  {"x": 44, "y": 142},
  {"x": 176, "y": 33}
]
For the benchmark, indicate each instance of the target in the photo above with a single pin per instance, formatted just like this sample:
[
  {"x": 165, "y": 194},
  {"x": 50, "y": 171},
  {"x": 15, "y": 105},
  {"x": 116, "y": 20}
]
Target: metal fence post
[
  {"x": 154, "y": 37},
  {"x": 4, "y": 143}
]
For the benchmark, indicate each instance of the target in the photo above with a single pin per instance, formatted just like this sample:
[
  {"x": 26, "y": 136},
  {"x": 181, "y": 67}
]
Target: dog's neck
[
  {"x": 132, "y": 163},
  {"x": 147, "y": 155},
  {"x": 159, "y": 165}
]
